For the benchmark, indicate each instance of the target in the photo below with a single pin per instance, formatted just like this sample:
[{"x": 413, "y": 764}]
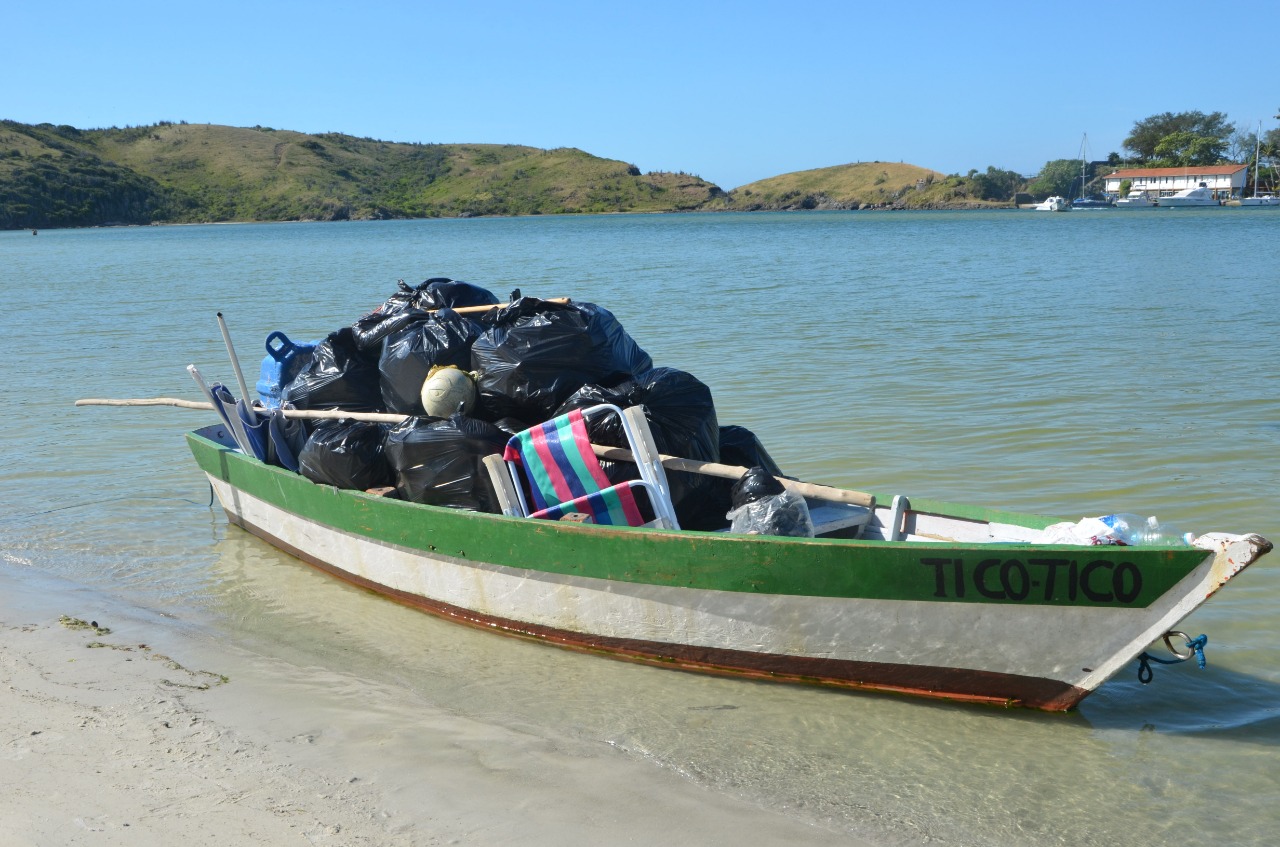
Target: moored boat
[
  {"x": 910, "y": 596},
  {"x": 1258, "y": 199},
  {"x": 1053, "y": 204},
  {"x": 1135, "y": 200},
  {"x": 1091, "y": 203},
  {"x": 1198, "y": 196}
]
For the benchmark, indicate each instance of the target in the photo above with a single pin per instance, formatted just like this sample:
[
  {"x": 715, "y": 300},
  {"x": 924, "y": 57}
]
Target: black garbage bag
[
  {"x": 443, "y": 338},
  {"x": 534, "y": 354},
  {"x": 739, "y": 447},
  {"x": 411, "y": 303},
  {"x": 756, "y": 484},
  {"x": 762, "y": 506},
  {"x": 443, "y": 293},
  {"x": 285, "y": 439},
  {"x": 394, "y": 313},
  {"x": 439, "y": 461},
  {"x": 682, "y": 416},
  {"x": 339, "y": 376},
  {"x": 346, "y": 454},
  {"x": 511, "y": 426}
]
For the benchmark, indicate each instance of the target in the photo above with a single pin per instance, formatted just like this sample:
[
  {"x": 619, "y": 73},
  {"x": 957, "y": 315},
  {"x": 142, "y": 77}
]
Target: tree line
[{"x": 1166, "y": 140}]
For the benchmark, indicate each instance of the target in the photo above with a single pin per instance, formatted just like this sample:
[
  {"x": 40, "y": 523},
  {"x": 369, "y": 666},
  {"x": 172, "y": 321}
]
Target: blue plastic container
[{"x": 284, "y": 361}]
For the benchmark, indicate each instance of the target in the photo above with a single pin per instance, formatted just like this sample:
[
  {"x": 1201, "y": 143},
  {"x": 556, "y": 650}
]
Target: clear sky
[{"x": 730, "y": 91}]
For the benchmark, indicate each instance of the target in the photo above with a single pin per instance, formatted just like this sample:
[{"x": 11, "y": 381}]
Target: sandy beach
[{"x": 126, "y": 728}]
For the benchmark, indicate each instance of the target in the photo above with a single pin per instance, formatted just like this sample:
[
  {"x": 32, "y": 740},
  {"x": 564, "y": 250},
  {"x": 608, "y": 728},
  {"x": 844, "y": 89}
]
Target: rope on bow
[{"x": 1195, "y": 647}]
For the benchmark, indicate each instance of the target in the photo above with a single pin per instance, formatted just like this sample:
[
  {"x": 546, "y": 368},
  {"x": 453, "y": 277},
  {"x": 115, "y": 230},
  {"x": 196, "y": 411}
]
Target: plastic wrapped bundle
[
  {"x": 739, "y": 447},
  {"x": 534, "y": 354},
  {"x": 443, "y": 338},
  {"x": 339, "y": 376},
  {"x": 346, "y": 454},
  {"x": 440, "y": 462},
  {"x": 761, "y": 506}
]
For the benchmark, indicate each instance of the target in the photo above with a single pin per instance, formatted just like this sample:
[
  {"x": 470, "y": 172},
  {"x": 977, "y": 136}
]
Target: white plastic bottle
[{"x": 1156, "y": 534}]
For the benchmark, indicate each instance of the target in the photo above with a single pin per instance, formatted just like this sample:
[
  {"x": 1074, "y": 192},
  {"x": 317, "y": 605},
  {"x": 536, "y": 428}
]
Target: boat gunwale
[{"x": 818, "y": 567}]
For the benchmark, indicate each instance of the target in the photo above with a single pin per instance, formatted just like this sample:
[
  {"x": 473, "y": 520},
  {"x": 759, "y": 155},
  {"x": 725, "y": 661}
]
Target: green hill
[
  {"x": 48, "y": 177},
  {"x": 854, "y": 186},
  {"x": 54, "y": 176},
  {"x": 175, "y": 173}
]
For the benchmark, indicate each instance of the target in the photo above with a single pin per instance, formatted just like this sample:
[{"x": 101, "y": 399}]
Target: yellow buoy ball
[{"x": 448, "y": 391}]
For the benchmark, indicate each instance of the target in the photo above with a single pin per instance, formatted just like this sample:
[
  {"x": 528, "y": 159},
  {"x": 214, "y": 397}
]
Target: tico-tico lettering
[{"x": 1036, "y": 580}]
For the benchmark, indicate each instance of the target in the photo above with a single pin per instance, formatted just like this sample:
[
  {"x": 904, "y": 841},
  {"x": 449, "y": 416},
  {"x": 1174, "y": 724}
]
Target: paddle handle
[{"x": 616, "y": 454}]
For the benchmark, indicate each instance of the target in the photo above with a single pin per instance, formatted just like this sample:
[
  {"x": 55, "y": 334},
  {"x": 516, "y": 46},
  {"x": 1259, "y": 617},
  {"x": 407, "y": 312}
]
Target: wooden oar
[{"x": 616, "y": 454}]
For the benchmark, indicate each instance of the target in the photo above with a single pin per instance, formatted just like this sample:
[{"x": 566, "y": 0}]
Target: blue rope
[{"x": 1197, "y": 645}]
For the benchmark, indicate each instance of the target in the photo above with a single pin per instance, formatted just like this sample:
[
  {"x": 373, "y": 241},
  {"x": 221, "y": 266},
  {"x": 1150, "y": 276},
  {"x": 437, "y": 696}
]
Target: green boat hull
[{"x": 976, "y": 619}]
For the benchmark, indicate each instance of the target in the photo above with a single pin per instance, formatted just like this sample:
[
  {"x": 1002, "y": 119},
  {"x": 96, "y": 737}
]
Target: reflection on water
[{"x": 1029, "y": 362}]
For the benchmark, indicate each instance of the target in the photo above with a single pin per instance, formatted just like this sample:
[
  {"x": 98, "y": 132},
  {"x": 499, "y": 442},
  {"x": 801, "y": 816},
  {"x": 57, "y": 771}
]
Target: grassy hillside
[
  {"x": 854, "y": 186},
  {"x": 53, "y": 176},
  {"x": 48, "y": 177},
  {"x": 62, "y": 176}
]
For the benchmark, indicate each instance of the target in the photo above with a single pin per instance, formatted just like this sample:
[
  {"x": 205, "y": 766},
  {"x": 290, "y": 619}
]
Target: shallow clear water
[{"x": 1065, "y": 364}]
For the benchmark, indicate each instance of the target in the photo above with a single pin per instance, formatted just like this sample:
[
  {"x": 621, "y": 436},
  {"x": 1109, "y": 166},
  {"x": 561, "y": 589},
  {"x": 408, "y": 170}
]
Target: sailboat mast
[
  {"x": 1084, "y": 145},
  {"x": 1257, "y": 157}
]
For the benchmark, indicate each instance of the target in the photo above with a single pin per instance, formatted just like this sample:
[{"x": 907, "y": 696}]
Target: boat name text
[{"x": 1041, "y": 580}]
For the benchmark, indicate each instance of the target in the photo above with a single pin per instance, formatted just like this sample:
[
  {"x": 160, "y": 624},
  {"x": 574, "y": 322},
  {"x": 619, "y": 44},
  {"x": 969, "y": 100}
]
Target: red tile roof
[{"x": 1207, "y": 170}]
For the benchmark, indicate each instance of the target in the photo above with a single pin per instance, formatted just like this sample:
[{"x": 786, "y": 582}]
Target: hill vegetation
[
  {"x": 863, "y": 185},
  {"x": 54, "y": 176}
]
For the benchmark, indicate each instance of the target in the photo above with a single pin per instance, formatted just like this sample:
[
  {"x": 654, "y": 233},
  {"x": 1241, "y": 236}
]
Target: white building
[{"x": 1225, "y": 181}]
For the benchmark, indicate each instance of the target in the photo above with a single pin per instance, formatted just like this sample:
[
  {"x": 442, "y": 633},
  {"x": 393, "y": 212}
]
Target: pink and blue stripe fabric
[{"x": 565, "y": 475}]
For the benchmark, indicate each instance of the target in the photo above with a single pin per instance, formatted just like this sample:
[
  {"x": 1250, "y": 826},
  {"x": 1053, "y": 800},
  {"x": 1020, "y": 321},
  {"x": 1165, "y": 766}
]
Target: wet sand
[{"x": 139, "y": 731}]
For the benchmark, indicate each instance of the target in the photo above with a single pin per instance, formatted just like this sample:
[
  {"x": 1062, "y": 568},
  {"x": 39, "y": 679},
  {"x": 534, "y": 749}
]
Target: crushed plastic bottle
[
  {"x": 1133, "y": 531},
  {"x": 1156, "y": 534},
  {"x": 1126, "y": 528}
]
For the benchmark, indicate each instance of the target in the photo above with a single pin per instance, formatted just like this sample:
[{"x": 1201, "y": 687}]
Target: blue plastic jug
[{"x": 284, "y": 361}]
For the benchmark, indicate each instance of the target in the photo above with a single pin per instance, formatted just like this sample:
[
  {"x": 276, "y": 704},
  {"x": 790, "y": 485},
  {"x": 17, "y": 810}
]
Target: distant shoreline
[{"x": 892, "y": 209}]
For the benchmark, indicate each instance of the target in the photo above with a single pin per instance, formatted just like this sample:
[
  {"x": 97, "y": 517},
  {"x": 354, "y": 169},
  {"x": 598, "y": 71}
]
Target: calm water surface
[{"x": 1066, "y": 364}]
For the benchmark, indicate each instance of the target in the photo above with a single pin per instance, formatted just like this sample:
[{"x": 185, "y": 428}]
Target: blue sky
[{"x": 731, "y": 91}]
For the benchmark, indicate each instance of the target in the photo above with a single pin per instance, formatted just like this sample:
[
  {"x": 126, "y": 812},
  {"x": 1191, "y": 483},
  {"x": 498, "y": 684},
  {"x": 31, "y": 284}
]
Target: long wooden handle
[
  {"x": 305, "y": 414},
  {"x": 616, "y": 454},
  {"x": 471, "y": 310},
  {"x": 804, "y": 489}
]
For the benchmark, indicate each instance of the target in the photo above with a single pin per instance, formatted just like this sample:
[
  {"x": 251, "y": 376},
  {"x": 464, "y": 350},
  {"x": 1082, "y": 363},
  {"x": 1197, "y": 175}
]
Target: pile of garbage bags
[{"x": 531, "y": 360}]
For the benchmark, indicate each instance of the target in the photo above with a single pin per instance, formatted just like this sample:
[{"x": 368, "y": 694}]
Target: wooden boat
[{"x": 927, "y": 598}]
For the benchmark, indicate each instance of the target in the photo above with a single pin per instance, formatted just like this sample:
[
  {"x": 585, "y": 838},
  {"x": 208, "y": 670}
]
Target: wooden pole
[
  {"x": 305, "y": 414},
  {"x": 614, "y": 454},
  {"x": 473, "y": 310},
  {"x": 735, "y": 472}
]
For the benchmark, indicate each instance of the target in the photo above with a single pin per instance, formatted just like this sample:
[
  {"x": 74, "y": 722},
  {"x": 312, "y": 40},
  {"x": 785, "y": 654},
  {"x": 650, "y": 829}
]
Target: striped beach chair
[{"x": 555, "y": 464}]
